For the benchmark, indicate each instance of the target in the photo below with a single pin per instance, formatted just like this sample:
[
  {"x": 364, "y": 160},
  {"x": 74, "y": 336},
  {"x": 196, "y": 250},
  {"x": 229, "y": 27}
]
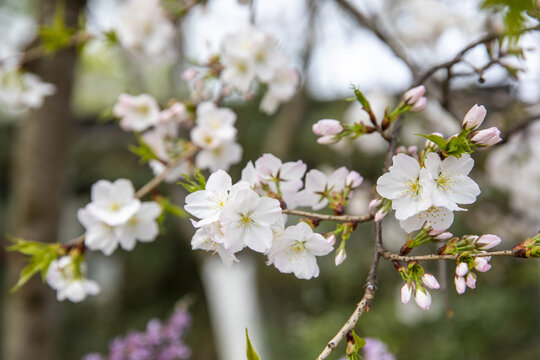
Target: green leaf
[
  {"x": 144, "y": 151},
  {"x": 198, "y": 182},
  {"x": 357, "y": 344},
  {"x": 362, "y": 99},
  {"x": 438, "y": 140},
  {"x": 514, "y": 11},
  {"x": 56, "y": 35},
  {"x": 458, "y": 146},
  {"x": 250, "y": 351}
]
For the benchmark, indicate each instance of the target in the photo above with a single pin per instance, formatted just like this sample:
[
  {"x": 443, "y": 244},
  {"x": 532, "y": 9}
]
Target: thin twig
[
  {"x": 343, "y": 218},
  {"x": 395, "y": 257}
]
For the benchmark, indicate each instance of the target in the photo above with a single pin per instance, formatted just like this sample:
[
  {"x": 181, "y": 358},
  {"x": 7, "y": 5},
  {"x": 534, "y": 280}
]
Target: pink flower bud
[
  {"x": 471, "y": 280},
  {"x": 462, "y": 269},
  {"x": 381, "y": 214},
  {"x": 461, "y": 286},
  {"x": 474, "y": 117},
  {"x": 374, "y": 203},
  {"x": 401, "y": 149},
  {"x": 422, "y": 298},
  {"x": 430, "y": 281},
  {"x": 481, "y": 264},
  {"x": 406, "y": 293},
  {"x": 341, "y": 255},
  {"x": 443, "y": 236},
  {"x": 331, "y": 239},
  {"x": 419, "y": 105},
  {"x": 327, "y": 127},
  {"x": 327, "y": 140},
  {"x": 412, "y": 150},
  {"x": 354, "y": 179},
  {"x": 413, "y": 95},
  {"x": 487, "y": 241},
  {"x": 486, "y": 137}
]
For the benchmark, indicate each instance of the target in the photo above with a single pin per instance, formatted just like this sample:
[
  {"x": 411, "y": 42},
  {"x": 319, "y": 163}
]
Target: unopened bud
[
  {"x": 413, "y": 95},
  {"x": 341, "y": 255},
  {"x": 419, "y": 105},
  {"x": 487, "y": 241},
  {"x": 327, "y": 140},
  {"x": 481, "y": 264},
  {"x": 374, "y": 203},
  {"x": 406, "y": 293},
  {"x": 327, "y": 127},
  {"x": 443, "y": 236},
  {"x": 354, "y": 179},
  {"x": 486, "y": 137},
  {"x": 474, "y": 117},
  {"x": 422, "y": 298},
  {"x": 430, "y": 281},
  {"x": 381, "y": 214},
  {"x": 471, "y": 280},
  {"x": 462, "y": 269},
  {"x": 461, "y": 286},
  {"x": 331, "y": 239}
]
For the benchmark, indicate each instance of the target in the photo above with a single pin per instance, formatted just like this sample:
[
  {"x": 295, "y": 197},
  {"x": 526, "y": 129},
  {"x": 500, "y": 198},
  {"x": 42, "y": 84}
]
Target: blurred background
[{"x": 50, "y": 157}]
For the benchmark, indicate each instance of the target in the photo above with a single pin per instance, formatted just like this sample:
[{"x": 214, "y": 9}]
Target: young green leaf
[
  {"x": 198, "y": 182},
  {"x": 438, "y": 140},
  {"x": 250, "y": 351},
  {"x": 354, "y": 344}
]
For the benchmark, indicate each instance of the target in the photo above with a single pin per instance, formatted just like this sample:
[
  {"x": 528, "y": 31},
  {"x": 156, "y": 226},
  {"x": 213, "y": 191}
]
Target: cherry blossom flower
[
  {"x": 205, "y": 238},
  {"x": 21, "y": 91},
  {"x": 145, "y": 30},
  {"x": 207, "y": 204},
  {"x": 486, "y": 137},
  {"x": 113, "y": 203},
  {"x": 98, "y": 235},
  {"x": 319, "y": 186},
  {"x": 247, "y": 220},
  {"x": 141, "y": 226},
  {"x": 404, "y": 184},
  {"x": 67, "y": 277},
  {"x": 439, "y": 218},
  {"x": 450, "y": 184},
  {"x": 221, "y": 157},
  {"x": 137, "y": 113},
  {"x": 487, "y": 241},
  {"x": 296, "y": 250}
]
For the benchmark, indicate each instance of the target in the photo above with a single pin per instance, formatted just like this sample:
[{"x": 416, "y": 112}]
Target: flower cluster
[
  {"x": 163, "y": 341},
  {"x": 428, "y": 192},
  {"x": 115, "y": 217},
  {"x": 67, "y": 276},
  {"x": 416, "y": 281},
  {"x": 145, "y": 30},
  {"x": 21, "y": 91}
]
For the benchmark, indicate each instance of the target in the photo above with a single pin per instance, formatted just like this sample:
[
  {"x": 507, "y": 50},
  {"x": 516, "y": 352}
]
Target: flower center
[
  {"x": 114, "y": 207},
  {"x": 445, "y": 181},
  {"x": 246, "y": 220},
  {"x": 412, "y": 188}
]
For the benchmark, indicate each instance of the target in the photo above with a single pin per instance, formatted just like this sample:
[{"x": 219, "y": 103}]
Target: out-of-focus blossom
[
  {"x": 21, "y": 91},
  {"x": 137, "y": 113},
  {"x": 486, "y": 137},
  {"x": 67, "y": 277}
]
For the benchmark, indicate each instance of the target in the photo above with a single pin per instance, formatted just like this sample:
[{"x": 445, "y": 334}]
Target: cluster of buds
[
  {"x": 481, "y": 138},
  {"x": 345, "y": 230},
  {"x": 384, "y": 209},
  {"x": 469, "y": 244},
  {"x": 465, "y": 277},
  {"x": 426, "y": 235},
  {"x": 416, "y": 281}
]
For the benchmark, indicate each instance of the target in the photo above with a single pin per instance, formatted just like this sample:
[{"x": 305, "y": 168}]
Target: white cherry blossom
[
  {"x": 141, "y": 226},
  {"x": 296, "y": 250},
  {"x": 68, "y": 278},
  {"x": 137, "y": 113},
  {"x": 21, "y": 91},
  {"x": 113, "y": 203},
  {"x": 98, "y": 235},
  {"x": 221, "y": 157},
  {"x": 450, "y": 185},
  {"x": 439, "y": 218},
  {"x": 205, "y": 239},
  {"x": 247, "y": 220},
  {"x": 404, "y": 185}
]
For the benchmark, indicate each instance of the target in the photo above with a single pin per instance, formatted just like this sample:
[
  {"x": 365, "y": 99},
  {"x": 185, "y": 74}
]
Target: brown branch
[
  {"x": 371, "y": 282},
  {"x": 395, "y": 257},
  {"x": 371, "y": 24},
  {"x": 448, "y": 64},
  {"x": 343, "y": 218},
  {"x": 520, "y": 126}
]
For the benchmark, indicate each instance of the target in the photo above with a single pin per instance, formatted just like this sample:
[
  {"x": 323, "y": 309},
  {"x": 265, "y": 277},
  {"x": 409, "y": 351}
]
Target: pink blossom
[
  {"x": 341, "y": 255},
  {"x": 374, "y": 203},
  {"x": 459, "y": 281},
  {"x": 327, "y": 127},
  {"x": 327, "y": 140},
  {"x": 462, "y": 269},
  {"x": 471, "y": 280},
  {"x": 422, "y": 298},
  {"x": 381, "y": 214},
  {"x": 481, "y": 264},
  {"x": 430, "y": 281},
  {"x": 413, "y": 95},
  {"x": 487, "y": 241},
  {"x": 486, "y": 137},
  {"x": 354, "y": 179},
  {"x": 406, "y": 293},
  {"x": 419, "y": 105},
  {"x": 474, "y": 117}
]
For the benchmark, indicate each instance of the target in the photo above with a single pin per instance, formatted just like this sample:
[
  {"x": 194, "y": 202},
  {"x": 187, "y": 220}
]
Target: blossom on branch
[{"x": 67, "y": 276}]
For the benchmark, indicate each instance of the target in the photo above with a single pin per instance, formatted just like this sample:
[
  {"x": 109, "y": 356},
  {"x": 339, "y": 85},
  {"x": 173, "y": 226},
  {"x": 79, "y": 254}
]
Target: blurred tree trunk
[{"x": 37, "y": 187}]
